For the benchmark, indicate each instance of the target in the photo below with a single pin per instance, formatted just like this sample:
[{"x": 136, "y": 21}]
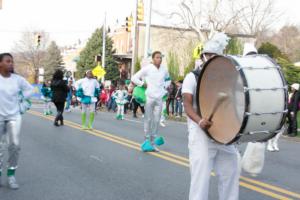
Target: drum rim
[
  {"x": 284, "y": 82},
  {"x": 247, "y": 97}
]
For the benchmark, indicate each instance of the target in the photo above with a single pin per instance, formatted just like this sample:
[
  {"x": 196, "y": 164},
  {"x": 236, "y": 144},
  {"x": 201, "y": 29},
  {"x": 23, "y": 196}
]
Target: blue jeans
[
  {"x": 111, "y": 105},
  {"x": 178, "y": 107}
]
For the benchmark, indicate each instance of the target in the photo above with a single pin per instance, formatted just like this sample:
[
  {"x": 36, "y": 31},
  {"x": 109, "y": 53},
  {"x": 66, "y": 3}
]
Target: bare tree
[
  {"x": 204, "y": 17},
  {"x": 258, "y": 16},
  {"x": 28, "y": 55},
  {"x": 288, "y": 40}
]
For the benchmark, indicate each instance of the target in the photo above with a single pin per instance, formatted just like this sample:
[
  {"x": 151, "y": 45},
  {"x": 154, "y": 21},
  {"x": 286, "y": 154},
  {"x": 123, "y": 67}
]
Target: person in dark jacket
[
  {"x": 293, "y": 108},
  {"x": 171, "y": 98},
  {"x": 59, "y": 90},
  {"x": 178, "y": 98}
]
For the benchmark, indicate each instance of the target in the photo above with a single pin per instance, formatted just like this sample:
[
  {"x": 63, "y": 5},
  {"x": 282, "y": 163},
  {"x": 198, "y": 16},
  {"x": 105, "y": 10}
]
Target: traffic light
[
  {"x": 129, "y": 23},
  {"x": 140, "y": 11},
  {"x": 38, "y": 40}
]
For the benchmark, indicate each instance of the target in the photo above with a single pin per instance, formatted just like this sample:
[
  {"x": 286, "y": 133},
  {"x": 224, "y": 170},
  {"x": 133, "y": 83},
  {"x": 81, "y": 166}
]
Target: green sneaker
[{"x": 84, "y": 127}]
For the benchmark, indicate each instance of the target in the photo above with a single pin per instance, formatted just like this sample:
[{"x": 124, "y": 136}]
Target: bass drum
[{"x": 256, "y": 104}]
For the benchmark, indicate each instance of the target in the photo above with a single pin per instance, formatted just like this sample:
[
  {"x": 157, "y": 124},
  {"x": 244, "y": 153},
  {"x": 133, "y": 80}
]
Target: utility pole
[
  {"x": 134, "y": 38},
  {"x": 103, "y": 44},
  {"x": 148, "y": 26}
]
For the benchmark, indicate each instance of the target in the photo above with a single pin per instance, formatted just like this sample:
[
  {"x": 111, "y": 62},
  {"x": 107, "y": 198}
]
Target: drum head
[{"x": 219, "y": 75}]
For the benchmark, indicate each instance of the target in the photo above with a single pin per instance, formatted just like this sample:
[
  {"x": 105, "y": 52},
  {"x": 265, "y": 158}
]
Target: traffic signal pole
[
  {"x": 103, "y": 44},
  {"x": 134, "y": 38},
  {"x": 148, "y": 26}
]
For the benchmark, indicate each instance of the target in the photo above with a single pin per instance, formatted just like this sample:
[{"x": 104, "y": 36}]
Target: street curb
[{"x": 294, "y": 139}]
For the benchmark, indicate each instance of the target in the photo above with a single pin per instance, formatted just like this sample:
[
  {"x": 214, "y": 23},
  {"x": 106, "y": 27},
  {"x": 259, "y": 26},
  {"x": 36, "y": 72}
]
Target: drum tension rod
[
  {"x": 266, "y": 113},
  {"x": 246, "y": 89},
  {"x": 255, "y": 132},
  {"x": 254, "y": 68}
]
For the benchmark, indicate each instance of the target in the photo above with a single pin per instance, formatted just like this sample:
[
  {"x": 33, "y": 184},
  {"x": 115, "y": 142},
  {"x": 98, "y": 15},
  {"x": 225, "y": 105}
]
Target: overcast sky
[{"x": 70, "y": 20}]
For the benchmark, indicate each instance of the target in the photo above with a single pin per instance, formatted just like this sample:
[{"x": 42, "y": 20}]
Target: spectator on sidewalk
[
  {"x": 178, "y": 98},
  {"x": 171, "y": 98},
  {"x": 293, "y": 107}
]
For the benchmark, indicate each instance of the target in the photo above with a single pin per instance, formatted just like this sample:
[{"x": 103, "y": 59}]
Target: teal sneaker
[
  {"x": 159, "y": 141},
  {"x": 147, "y": 146}
]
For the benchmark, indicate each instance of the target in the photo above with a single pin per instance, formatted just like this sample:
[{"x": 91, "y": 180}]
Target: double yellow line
[{"x": 251, "y": 184}]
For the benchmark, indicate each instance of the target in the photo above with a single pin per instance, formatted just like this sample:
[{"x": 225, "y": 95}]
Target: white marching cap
[
  {"x": 217, "y": 44},
  {"x": 249, "y": 48},
  {"x": 295, "y": 86}
]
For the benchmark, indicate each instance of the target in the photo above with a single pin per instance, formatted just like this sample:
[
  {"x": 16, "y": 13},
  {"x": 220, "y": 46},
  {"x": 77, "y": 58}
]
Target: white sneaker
[
  {"x": 155, "y": 149},
  {"x": 12, "y": 183},
  {"x": 162, "y": 124},
  {"x": 275, "y": 147},
  {"x": 270, "y": 148}
]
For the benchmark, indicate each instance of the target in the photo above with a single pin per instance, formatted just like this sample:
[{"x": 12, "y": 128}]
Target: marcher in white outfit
[
  {"x": 204, "y": 154},
  {"x": 88, "y": 90},
  {"x": 11, "y": 86},
  {"x": 273, "y": 143},
  {"x": 154, "y": 78},
  {"x": 121, "y": 99}
]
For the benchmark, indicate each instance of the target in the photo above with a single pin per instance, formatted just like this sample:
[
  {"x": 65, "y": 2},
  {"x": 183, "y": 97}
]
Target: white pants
[
  {"x": 10, "y": 134},
  {"x": 153, "y": 109},
  {"x": 47, "y": 106},
  {"x": 163, "y": 117},
  {"x": 206, "y": 156},
  {"x": 274, "y": 141},
  {"x": 88, "y": 107},
  {"x": 120, "y": 110}
]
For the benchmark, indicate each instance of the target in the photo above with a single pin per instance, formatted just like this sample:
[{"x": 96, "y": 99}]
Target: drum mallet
[{"x": 221, "y": 98}]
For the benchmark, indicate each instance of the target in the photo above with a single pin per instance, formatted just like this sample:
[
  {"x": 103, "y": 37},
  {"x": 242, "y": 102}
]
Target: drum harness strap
[{"x": 197, "y": 72}]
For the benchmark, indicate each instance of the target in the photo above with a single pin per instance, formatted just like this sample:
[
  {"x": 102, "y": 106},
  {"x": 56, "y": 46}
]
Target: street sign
[{"x": 98, "y": 71}]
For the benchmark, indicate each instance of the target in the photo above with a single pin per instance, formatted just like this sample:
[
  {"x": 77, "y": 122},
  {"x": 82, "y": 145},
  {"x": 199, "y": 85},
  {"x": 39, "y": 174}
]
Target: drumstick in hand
[{"x": 221, "y": 98}]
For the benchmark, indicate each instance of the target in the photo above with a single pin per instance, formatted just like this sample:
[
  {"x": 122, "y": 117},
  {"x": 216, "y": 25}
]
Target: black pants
[
  {"x": 292, "y": 124},
  {"x": 128, "y": 105},
  {"x": 170, "y": 101},
  {"x": 136, "y": 105},
  {"x": 60, "y": 106}
]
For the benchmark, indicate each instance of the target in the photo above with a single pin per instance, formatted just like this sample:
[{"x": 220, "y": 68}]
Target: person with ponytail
[{"x": 88, "y": 90}]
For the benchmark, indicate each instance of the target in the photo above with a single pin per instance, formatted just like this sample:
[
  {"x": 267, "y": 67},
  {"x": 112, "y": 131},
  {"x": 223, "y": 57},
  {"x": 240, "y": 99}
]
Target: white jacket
[{"x": 157, "y": 80}]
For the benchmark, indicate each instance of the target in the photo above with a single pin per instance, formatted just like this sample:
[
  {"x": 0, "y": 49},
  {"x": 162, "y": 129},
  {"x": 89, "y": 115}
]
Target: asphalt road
[{"x": 67, "y": 163}]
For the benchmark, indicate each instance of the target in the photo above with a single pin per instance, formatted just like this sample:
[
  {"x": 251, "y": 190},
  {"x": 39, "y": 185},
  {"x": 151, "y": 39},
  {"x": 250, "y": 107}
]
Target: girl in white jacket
[{"x": 121, "y": 99}]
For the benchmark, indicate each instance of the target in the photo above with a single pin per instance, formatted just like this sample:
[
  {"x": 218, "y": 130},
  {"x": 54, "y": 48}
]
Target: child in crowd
[
  {"x": 46, "y": 97},
  {"x": 120, "y": 97}
]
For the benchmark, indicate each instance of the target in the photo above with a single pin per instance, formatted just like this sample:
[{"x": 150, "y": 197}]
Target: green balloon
[{"x": 139, "y": 94}]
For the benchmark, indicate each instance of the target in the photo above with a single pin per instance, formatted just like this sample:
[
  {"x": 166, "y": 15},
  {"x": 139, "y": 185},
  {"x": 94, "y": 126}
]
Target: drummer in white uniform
[{"x": 204, "y": 154}]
